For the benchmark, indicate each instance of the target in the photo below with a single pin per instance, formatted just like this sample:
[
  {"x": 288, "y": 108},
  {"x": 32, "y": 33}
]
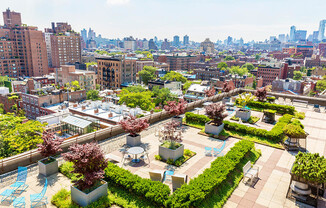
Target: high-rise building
[
  {"x": 65, "y": 44},
  {"x": 281, "y": 37},
  {"x": 176, "y": 41},
  {"x": 84, "y": 35},
  {"x": 321, "y": 31},
  {"x": 129, "y": 43},
  {"x": 91, "y": 34},
  {"x": 145, "y": 44},
  {"x": 186, "y": 40},
  {"x": 292, "y": 33},
  {"x": 22, "y": 49},
  {"x": 315, "y": 36},
  {"x": 152, "y": 45},
  {"x": 229, "y": 40},
  {"x": 207, "y": 46},
  {"x": 166, "y": 45},
  {"x": 300, "y": 35}
]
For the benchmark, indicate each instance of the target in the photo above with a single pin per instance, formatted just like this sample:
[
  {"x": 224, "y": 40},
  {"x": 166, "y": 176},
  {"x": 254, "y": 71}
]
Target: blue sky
[{"x": 215, "y": 19}]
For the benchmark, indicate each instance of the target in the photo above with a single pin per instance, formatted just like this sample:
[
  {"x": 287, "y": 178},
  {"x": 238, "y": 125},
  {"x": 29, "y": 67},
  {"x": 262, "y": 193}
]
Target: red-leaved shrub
[
  {"x": 176, "y": 108},
  {"x": 261, "y": 94},
  {"x": 210, "y": 92},
  {"x": 216, "y": 112},
  {"x": 133, "y": 125},
  {"x": 51, "y": 144}
]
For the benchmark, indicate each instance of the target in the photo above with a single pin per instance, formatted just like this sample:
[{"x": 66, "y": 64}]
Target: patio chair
[
  {"x": 250, "y": 172},
  {"x": 178, "y": 180},
  {"x": 157, "y": 175},
  {"x": 217, "y": 151},
  {"x": 38, "y": 199},
  {"x": 19, "y": 202},
  {"x": 208, "y": 151},
  {"x": 144, "y": 156},
  {"x": 316, "y": 108},
  {"x": 20, "y": 184},
  {"x": 8, "y": 195}
]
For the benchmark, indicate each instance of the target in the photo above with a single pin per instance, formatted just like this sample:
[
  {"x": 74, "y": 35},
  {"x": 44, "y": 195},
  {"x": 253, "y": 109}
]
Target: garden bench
[
  {"x": 178, "y": 180},
  {"x": 300, "y": 102},
  {"x": 250, "y": 172}
]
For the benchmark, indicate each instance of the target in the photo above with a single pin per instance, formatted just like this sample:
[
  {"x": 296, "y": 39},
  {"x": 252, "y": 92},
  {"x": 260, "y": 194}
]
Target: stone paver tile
[
  {"x": 246, "y": 203},
  {"x": 230, "y": 204},
  {"x": 273, "y": 204}
]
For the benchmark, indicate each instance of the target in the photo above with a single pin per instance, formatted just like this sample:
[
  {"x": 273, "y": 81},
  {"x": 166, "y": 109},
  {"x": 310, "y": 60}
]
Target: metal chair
[
  {"x": 8, "y": 195},
  {"x": 217, "y": 151},
  {"x": 20, "y": 183},
  {"x": 208, "y": 151},
  {"x": 19, "y": 202},
  {"x": 37, "y": 199}
]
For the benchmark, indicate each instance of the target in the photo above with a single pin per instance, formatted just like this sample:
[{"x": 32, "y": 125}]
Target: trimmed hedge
[
  {"x": 196, "y": 119},
  {"x": 281, "y": 109},
  {"x": 198, "y": 189},
  {"x": 154, "y": 191},
  {"x": 276, "y": 134}
]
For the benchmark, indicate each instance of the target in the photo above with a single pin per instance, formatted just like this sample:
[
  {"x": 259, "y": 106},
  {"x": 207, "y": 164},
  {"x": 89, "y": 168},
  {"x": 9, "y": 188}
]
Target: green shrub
[
  {"x": 187, "y": 154},
  {"x": 170, "y": 161},
  {"x": 154, "y": 191},
  {"x": 297, "y": 122},
  {"x": 196, "y": 119},
  {"x": 294, "y": 131},
  {"x": 253, "y": 119},
  {"x": 271, "y": 99},
  {"x": 235, "y": 118},
  {"x": 281, "y": 109},
  {"x": 300, "y": 115},
  {"x": 158, "y": 157},
  {"x": 199, "y": 188}
]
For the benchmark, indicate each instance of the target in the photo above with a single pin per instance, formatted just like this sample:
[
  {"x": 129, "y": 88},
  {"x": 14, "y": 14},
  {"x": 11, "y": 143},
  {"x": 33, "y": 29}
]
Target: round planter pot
[
  {"x": 167, "y": 153},
  {"x": 243, "y": 114},
  {"x": 213, "y": 129},
  {"x": 49, "y": 168},
  {"x": 133, "y": 140},
  {"x": 300, "y": 188},
  {"x": 84, "y": 199},
  {"x": 177, "y": 119}
]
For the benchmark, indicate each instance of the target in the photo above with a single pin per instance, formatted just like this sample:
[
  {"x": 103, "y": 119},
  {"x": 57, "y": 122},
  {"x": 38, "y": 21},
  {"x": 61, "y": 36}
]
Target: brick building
[
  {"x": 176, "y": 62},
  {"x": 269, "y": 74},
  {"x": 207, "y": 74},
  {"x": 8, "y": 100},
  {"x": 315, "y": 60},
  {"x": 22, "y": 48},
  {"x": 116, "y": 72}
]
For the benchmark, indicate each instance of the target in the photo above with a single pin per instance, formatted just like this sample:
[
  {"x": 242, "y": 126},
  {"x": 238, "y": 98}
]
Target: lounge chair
[
  {"x": 8, "y": 195},
  {"x": 19, "y": 202},
  {"x": 217, "y": 151},
  {"x": 157, "y": 175},
  {"x": 20, "y": 185},
  {"x": 40, "y": 198},
  {"x": 178, "y": 180},
  {"x": 208, "y": 151}
]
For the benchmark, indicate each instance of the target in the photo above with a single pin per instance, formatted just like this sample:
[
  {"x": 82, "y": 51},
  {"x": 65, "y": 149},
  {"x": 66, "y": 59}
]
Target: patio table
[{"x": 135, "y": 151}]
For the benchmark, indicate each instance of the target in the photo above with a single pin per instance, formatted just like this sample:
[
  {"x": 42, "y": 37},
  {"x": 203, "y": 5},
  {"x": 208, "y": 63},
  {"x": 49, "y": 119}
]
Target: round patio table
[{"x": 135, "y": 151}]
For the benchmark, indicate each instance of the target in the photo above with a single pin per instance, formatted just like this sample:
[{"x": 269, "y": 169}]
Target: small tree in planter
[
  {"x": 210, "y": 92},
  {"x": 176, "y": 109},
  {"x": 89, "y": 164},
  {"x": 134, "y": 126},
  {"x": 49, "y": 148},
  {"x": 244, "y": 113},
  {"x": 216, "y": 112},
  {"x": 294, "y": 132},
  {"x": 171, "y": 147},
  {"x": 261, "y": 94}
]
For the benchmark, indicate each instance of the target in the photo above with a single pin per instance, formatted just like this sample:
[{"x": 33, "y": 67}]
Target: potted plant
[
  {"x": 171, "y": 148},
  {"x": 243, "y": 112},
  {"x": 261, "y": 94},
  {"x": 49, "y": 148},
  {"x": 269, "y": 116},
  {"x": 134, "y": 126},
  {"x": 89, "y": 164},
  {"x": 294, "y": 132},
  {"x": 226, "y": 88},
  {"x": 217, "y": 113},
  {"x": 176, "y": 109}
]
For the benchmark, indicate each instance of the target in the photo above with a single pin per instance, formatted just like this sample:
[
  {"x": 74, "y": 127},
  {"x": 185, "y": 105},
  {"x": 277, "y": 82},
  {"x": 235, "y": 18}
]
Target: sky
[{"x": 200, "y": 19}]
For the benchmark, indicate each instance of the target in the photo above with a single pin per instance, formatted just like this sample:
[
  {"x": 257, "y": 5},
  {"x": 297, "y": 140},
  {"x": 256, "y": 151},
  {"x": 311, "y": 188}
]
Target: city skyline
[{"x": 215, "y": 20}]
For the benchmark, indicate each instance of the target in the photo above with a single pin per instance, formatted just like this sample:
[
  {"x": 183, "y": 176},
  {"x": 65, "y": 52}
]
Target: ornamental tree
[
  {"x": 176, "y": 108},
  {"x": 210, "y": 92},
  {"x": 226, "y": 87},
  {"x": 51, "y": 144},
  {"x": 134, "y": 125},
  {"x": 216, "y": 112},
  {"x": 169, "y": 132},
  {"x": 261, "y": 94},
  {"x": 89, "y": 164}
]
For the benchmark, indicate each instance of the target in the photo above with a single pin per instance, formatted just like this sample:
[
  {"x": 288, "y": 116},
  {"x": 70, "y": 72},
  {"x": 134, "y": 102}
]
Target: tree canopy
[
  {"x": 93, "y": 95},
  {"x": 162, "y": 96},
  {"x": 147, "y": 74},
  {"x": 140, "y": 99},
  {"x": 175, "y": 76},
  {"x": 249, "y": 66},
  {"x": 222, "y": 65},
  {"x": 229, "y": 58},
  {"x": 297, "y": 75},
  {"x": 321, "y": 84},
  {"x": 238, "y": 70}
]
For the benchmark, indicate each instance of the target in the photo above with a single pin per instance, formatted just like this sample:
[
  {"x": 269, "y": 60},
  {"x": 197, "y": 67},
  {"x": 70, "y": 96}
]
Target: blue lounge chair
[
  {"x": 20, "y": 185},
  {"x": 19, "y": 202},
  {"x": 8, "y": 195},
  {"x": 39, "y": 199},
  {"x": 208, "y": 151},
  {"x": 217, "y": 151}
]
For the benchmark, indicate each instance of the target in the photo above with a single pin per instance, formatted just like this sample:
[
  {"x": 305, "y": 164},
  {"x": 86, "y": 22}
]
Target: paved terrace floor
[{"x": 274, "y": 165}]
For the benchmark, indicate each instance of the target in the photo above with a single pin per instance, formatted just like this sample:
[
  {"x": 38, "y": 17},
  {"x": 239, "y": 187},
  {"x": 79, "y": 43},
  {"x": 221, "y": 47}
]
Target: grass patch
[
  {"x": 256, "y": 139},
  {"x": 220, "y": 195},
  {"x": 167, "y": 144},
  {"x": 251, "y": 120},
  {"x": 187, "y": 154}
]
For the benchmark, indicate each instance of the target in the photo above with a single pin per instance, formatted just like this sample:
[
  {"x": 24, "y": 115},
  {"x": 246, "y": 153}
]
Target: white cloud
[{"x": 117, "y": 2}]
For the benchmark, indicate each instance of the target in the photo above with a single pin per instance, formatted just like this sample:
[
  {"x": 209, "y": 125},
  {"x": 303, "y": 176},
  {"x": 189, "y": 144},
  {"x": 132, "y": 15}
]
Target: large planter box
[
  {"x": 243, "y": 114},
  {"x": 226, "y": 100},
  {"x": 177, "y": 119},
  {"x": 133, "y": 140},
  {"x": 48, "y": 169},
  {"x": 213, "y": 129},
  {"x": 167, "y": 153},
  {"x": 84, "y": 199}
]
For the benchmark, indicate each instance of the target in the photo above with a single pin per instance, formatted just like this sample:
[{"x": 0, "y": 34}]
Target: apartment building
[
  {"x": 141, "y": 63},
  {"x": 269, "y": 74},
  {"x": 176, "y": 62},
  {"x": 116, "y": 72},
  {"x": 22, "y": 48}
]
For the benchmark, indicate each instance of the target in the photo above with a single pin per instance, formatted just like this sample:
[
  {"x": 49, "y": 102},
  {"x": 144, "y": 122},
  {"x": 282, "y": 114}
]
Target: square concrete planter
[
  {"x": 243, "y": 114},
  {"x": 167, "y": 153},
  {"x": 133, "y": 140},
  {"x": 177, "y": 119},
  {"x": 47, "y": 169},
  {"x": 226, "y": 100},
  {"x": 84, "y": 199},
  {"x": 213, "y": 129}
]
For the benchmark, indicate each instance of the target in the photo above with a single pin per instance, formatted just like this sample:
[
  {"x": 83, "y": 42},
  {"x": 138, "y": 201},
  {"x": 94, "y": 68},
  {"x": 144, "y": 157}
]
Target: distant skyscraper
[
  {"x": 186, "y": 40},
  {"x": 165, "y": 45},
  {"x": 91, "y": 34},
  {"x": 272, "y": 38},
  {"x": 321, "y": 31},
  {"x": 176, "y": 41},
  {"x": 229, "y": 40},
  {"x": 315, "y": 36},
  {"x": 152, "y": 45},
  {"x": 292, "y": 33},
  {"x": 281, "y": 38},
  {"x": 241, "y": 42},
  {"x": 300, "y": 35},
  {"x": 84, "y": 34}
]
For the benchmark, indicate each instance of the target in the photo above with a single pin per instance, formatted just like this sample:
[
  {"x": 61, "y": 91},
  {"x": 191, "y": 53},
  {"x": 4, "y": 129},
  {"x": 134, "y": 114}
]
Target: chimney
[{"x": 83, "y": 107}]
